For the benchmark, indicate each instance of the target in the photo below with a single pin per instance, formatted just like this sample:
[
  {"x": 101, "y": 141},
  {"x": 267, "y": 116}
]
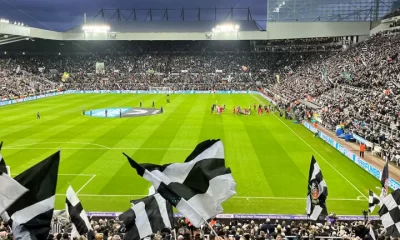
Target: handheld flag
[
  {"x": 147, "y": 216},
  {"x": 385, "y": 180},
  {"x": 76, "y": 212},
  {"x": 3, "y": 167},
  {"x": 317, "y": 193},
  {"x": 30, "y": 216},
  {"x": 373, "y": 200},
  {"x": 390, "y": 213},
  {"x": 371, "y": 232},
  {"x": 197, "y": 187},
  {"x": 10, "y": 189}
]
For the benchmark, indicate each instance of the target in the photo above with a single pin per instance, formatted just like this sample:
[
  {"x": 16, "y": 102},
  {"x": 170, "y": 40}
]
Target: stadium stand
[
  {"x": 357, "y": 88},
  {"x": 112, "y": 229}
]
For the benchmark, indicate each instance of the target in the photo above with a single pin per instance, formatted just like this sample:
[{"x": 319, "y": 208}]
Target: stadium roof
[{"x": 173, "y": 26}]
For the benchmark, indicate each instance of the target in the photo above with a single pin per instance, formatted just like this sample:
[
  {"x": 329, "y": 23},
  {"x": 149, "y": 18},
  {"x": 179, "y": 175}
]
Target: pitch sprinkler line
[
  {"x": 84, "y": 185},
  {"x": 319, "y": 155},
  {"x": 237, "y": 197}
]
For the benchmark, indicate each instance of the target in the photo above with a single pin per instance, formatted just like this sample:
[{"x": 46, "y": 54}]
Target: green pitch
[{"x": 269, "y": 156}]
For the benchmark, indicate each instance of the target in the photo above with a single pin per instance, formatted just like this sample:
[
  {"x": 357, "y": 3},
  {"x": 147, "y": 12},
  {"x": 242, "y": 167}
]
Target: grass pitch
[{"x": 269, "y": 156}]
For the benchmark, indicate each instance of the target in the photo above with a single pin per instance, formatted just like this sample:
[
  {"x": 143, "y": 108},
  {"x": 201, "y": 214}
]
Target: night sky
[{"x": 62, "y": 15}]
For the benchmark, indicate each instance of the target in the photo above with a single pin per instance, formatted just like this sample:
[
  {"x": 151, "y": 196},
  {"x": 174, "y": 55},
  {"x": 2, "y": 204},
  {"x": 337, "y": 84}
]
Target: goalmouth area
[{"x": 269, "y": 156}]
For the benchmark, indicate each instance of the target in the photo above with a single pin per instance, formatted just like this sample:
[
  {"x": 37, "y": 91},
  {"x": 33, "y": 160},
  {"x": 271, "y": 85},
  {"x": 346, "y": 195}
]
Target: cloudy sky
[{"x": 61, "y": 15}]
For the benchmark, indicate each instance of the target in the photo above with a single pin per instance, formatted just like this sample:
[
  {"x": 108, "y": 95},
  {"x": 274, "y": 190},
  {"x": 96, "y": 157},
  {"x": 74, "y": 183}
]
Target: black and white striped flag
[
  {"x": 373, "y": 200},
  {"x": 390, "y": 213},
  {"x": 10, "y": 190},
  {"x": 198, "y": 187},
  {"x": 371, "y": 232},
  {"x": 385, "y": 180},
  {"x": 3, "y": 167},
  {"x": 317, "y": 193},
  {"x": 76, "y": 212},
  {"x": 147, "y": 216},
  {"x": 30, "y": 216}
]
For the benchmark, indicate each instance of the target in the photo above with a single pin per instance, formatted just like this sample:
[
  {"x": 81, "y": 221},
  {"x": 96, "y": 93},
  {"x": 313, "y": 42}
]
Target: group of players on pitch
[{"x": 266, "y": 109}]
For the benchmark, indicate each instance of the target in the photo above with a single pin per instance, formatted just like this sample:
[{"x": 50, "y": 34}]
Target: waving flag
[
  {"x": 390, "y": 213},
  {"x": 147, "y": 216},
  {"x": 373, "y": 200},
  {"x": 197, "y": 187},
  {"x": 317, "y": 193},
  {"x": 10, "y": 189},
  {"x": 385, "y": 180},
  {"x": 30, "y": 216},
  {"x": 76, "y": 212}
]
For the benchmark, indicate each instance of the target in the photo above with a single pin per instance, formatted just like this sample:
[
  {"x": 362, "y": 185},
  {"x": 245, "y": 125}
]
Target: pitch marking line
[
  {"x": 23, "y": 146},
  {"x": 71, "y": 174},
  {"x": 237, "y": 197},
  {"x": 318, "y": 154},
  {"x": 84, "y": 185},
  {"x": 61, "y": 148},
  {"x": 79, "y": 143},
  {"x": 68, "y": 174}
]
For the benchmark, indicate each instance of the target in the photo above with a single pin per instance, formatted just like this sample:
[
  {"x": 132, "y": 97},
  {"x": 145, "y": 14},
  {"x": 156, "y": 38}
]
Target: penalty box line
[
  {"x": 359, "y": 198},
  {"x": 79, "y": 175}
]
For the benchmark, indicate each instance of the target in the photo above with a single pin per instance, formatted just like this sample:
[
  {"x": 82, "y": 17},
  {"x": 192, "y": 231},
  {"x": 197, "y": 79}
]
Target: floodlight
[
  {"x": 96, "y": 28},
  {"x": 226, "y": 28}
]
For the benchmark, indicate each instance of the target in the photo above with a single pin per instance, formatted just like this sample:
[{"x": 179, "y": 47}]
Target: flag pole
[{"x": 212, "y": 229}]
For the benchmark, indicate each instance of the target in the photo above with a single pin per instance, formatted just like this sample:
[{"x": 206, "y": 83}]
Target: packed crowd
[
  {"x": 393, "y": 13},
  {"x": 23, "y": 75},
  {"x": 263, "y": 229},
  {"x": 15, "y": 82},
  {"x": 357, "y": 88}
]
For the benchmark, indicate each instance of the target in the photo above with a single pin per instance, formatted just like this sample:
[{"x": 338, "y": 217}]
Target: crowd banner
[
  {"x": 362, "y": 140},
  {"x": 30, "y": 98},
  {"x": 393, "y": 184},
  {"x": 246, "y": 216}
]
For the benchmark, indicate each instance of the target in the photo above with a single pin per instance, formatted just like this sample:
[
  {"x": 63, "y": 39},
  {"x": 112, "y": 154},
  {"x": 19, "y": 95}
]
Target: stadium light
[
  {"x": 23, "y": 53},
  {"x": 3, "y": 20},
  {"x": 5, "y": 53},
  {"x": 226, "y": 28},
  {"x": 276, "y": 10},
  {"x": 96, "y": 28}
]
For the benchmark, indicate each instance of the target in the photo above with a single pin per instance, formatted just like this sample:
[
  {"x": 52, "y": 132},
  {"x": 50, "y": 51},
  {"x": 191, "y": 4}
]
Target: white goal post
[
  {"x": 8, "y": 170},
  {"x": 160, "y": 90}
]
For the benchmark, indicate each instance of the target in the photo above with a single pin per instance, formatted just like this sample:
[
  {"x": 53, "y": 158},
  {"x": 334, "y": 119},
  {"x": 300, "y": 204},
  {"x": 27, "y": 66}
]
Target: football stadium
[{"x": 198, "y": 123}]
